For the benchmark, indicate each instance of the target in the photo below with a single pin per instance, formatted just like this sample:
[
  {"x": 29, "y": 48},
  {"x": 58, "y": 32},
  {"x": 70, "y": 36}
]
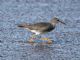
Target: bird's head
[{"x": 55, "y": 20}]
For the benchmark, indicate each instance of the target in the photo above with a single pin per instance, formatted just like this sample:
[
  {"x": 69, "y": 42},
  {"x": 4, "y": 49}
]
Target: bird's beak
[{"x": 62, "y": 22}]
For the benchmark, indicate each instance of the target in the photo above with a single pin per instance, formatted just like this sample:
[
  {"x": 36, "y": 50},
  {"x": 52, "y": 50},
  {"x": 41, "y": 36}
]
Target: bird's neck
[{"x": 54, "y": 24}]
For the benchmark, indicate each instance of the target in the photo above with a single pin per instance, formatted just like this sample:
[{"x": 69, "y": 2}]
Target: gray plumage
[{"x": 41, "y": 27}]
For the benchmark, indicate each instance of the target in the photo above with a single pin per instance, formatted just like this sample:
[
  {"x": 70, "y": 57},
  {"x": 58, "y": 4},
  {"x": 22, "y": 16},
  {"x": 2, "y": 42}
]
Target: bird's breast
[{"x": 49, "y": 29}]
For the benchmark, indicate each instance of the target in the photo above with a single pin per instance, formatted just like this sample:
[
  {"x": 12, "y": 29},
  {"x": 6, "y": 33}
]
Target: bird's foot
[
  {"x": 31, "y": 41},
  {"x": 49, "y": 42}
]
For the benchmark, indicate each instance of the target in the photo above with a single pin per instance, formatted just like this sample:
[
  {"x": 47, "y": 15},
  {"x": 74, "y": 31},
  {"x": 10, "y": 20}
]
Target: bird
[{"x": 41, "y": 27}]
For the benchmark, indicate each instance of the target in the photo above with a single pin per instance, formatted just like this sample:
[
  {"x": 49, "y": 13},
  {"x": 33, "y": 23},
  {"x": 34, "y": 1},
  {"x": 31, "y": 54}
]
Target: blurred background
[{"x": 66, "y": 43}]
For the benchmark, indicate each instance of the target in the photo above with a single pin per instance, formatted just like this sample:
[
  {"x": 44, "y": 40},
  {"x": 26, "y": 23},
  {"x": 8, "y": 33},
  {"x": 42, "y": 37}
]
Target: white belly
[{"x": 36, "y": 32}]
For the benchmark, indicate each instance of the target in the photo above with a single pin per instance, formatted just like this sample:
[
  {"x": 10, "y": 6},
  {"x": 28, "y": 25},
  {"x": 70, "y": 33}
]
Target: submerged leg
[{"x": 35, "y": 36}]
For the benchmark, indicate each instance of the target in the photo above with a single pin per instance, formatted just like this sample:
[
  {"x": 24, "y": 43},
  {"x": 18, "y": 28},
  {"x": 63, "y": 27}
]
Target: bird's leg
[
  {"x": 34, "y": 37},
  {"x": 31, "y": 39}
]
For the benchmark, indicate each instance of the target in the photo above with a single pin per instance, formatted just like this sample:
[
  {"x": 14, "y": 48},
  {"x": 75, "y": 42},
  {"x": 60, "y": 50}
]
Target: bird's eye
[{"x": 57, "y": 19}]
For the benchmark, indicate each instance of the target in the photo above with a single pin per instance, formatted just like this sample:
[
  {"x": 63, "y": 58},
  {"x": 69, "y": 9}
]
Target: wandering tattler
[{"x": 41, "y": 27}]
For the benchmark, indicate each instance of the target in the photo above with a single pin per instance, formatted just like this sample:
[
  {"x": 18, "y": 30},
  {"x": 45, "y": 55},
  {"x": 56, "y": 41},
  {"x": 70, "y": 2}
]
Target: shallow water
[{"x": 66, "y": 37}]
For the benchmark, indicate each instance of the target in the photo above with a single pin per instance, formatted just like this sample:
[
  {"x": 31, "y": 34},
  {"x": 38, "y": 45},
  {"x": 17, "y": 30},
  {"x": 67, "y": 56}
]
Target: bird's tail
[{"x": 24, "y": 25}]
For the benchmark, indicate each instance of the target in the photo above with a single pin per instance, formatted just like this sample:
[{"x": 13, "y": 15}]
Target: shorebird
[{"x": 41, "y": 27}]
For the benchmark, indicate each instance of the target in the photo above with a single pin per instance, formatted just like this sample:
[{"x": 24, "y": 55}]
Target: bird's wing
[{"x": 40, "y": 26}]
